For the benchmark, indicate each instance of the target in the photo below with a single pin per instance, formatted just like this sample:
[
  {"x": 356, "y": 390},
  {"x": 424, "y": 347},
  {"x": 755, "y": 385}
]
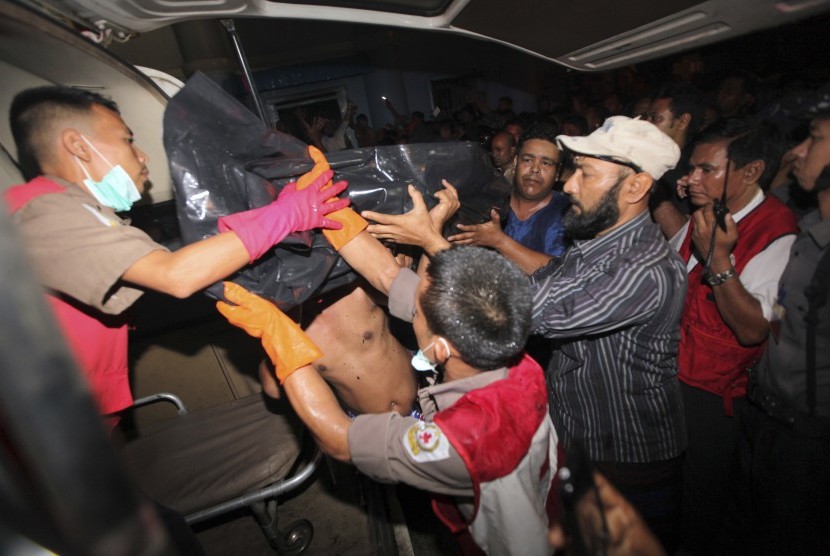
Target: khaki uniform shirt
[{"x": 81, "y": 248}]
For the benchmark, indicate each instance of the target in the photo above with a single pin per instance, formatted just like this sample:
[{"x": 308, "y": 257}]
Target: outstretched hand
[
  {"x": 448, "y": 205},
  {"x": 307, "y": 208},
  {"x": 285, "y": 343},
  {"x": 294, "y": 211},
  {"x": 488, "y": 234},
  {"x": 416, "y": 227}
]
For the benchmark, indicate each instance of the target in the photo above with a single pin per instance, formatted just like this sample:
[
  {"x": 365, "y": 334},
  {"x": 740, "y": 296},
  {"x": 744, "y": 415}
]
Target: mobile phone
[{"x": 583, "y": 518}]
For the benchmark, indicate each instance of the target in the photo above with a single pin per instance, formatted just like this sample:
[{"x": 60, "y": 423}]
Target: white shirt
[{"x": 761, "y": 274}]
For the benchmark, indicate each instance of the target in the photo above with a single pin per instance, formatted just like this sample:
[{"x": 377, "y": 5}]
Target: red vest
[
  {"x": 98, "y": 342},
  {"x": 710, "y": 356},
  {"x": 492, "y": 429}
]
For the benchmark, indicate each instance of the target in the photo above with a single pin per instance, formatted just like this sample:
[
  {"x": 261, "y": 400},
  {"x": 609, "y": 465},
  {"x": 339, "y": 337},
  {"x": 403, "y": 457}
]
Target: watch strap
[{"x": 720, "y": 277}]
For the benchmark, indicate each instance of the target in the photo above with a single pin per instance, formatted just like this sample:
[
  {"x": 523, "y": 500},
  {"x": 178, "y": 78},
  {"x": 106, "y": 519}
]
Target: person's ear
[
  {"x": 684, "y": 120},
  {"x": 73, "y": 143},
  {"x": 753, "y": 171},
  {"x": 442, "y": 350},
  {"x": 636, "y": 188}
]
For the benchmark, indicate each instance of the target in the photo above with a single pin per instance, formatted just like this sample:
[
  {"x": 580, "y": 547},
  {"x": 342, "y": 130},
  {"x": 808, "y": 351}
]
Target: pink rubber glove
[{"x": 293, "y": 211}]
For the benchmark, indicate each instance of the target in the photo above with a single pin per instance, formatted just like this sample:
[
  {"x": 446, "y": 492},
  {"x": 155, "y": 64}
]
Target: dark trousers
[
  {"x": 709, "y": 472},
  {"x": 784, "y": 486},
  {"x": 654, "y": 489}
]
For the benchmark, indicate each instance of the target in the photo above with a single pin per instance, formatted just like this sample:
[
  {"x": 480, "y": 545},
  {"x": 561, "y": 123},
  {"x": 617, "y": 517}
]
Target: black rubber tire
[{"x": 296, "y": 539}]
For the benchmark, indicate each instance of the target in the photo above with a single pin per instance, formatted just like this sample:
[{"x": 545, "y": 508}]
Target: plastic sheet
[{"x": 223, "y": 160}]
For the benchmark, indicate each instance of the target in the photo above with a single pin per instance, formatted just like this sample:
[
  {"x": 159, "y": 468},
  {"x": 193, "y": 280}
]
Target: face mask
[
  {"x": 116, "y": 189},
  {"x": 421, "y": 363}
]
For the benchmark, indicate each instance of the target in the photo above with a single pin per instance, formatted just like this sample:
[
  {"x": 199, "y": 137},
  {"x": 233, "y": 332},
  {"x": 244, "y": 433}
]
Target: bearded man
[{"x": 611, "y": 306}]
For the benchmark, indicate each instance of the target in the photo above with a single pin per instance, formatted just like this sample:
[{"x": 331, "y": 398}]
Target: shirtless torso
[{"x": 364, "y": 363}]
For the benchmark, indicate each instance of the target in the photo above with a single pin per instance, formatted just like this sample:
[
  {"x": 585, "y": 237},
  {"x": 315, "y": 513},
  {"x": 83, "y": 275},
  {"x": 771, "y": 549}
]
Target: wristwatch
[{"x": 720, "y": 277}]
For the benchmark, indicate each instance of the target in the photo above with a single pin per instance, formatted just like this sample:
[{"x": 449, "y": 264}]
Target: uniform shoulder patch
[{"x": 426, "y": 442}]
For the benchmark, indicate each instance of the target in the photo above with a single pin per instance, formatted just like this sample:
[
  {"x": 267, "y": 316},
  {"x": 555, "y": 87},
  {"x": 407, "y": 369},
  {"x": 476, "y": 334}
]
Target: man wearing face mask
[
  {"x": 486, "y": 448},
  {"x": 93, "y": 264}
]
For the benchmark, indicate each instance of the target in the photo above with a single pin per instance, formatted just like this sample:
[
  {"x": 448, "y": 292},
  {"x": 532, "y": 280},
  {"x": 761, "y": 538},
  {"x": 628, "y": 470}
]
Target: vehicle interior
[{"x": 427, "y": 55}]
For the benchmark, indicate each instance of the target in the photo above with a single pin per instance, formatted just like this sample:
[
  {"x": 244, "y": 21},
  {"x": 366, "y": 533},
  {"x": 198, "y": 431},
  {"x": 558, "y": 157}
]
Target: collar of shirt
[
  {"x": 818, "y": 229},
  {"x": 441, "y": 396},
  {"x": 104, "y": 214},
  {"x": 752, "y": 205},
  {"x": 586, "y": 246},
  {"x": 680, "y": 236}
]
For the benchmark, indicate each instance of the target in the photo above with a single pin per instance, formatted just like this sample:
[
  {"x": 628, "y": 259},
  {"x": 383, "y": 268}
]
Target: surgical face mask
[
  {"x": 116, "y": 189},
  {"x": 421, "y": 363}
]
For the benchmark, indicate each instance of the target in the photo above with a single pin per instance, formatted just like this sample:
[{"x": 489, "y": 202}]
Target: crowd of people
[{"x": 663, "y": 256}]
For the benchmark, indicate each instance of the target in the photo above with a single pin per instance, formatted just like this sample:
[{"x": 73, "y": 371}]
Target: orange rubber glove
[
  {"x": 352, "y": 222},
  {"x": 283, "y": 339}
]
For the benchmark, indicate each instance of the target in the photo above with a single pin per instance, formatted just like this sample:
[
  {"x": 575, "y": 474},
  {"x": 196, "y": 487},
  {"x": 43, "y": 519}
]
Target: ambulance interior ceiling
[
  {"x": 587, "y": 34},
  {"x": 590, "y": 35}
]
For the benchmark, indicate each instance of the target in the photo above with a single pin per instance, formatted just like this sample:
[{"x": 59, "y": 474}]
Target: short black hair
[
  {"x": 578, "y": 120},
  {"x": 546, "y": 131},
  {"x": 749, "y": 140},
  {"x": 749, "y": 81},
  {"x": 32, "y": 113},
  {"x": 684, "y": 99},
  {"x": 479, "y": 301}
]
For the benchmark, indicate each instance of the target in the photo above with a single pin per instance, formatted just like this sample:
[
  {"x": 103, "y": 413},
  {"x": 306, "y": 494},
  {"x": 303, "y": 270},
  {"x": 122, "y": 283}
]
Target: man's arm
[
  {"x": 251, "y": 234},
  {"x": 490, "y": 234},
  {"x": 368, "y": 257},
  {"x": 665, "y": 213},
  {"x": 191, "y": 268},
  {"x": 420, "y": 227},
  {"x": 315, "y": 404},
  {"x": 600, "y": 299},
  {"x": 291, "y": 352},
  {"x": 740, "y": 310}
]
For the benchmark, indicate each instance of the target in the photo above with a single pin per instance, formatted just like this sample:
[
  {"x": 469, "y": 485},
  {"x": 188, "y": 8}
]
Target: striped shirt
[{"x": 612, "y": 307}]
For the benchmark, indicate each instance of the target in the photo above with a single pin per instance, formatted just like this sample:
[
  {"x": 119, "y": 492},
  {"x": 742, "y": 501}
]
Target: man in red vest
[
  {"x": 94, "y": 265},
  {"x": 734, "y": 262}
]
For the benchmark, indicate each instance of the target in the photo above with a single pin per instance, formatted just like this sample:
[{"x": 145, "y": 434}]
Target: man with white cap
[{"x": 612, "y": 307}]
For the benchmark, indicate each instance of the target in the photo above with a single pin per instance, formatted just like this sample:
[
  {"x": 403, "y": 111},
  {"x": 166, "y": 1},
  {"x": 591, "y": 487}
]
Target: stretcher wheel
[{"x": 296, "y": 538}]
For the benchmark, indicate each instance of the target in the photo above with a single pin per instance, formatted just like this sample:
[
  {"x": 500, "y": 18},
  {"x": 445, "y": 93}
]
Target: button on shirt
[{"x": 612, "y": 305}]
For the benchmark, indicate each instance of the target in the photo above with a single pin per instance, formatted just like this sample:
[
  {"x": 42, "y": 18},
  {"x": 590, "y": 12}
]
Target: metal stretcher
[{"x": 243, "y": 453}]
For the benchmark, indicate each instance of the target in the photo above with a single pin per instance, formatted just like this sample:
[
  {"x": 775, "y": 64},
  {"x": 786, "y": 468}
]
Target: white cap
[{"x": 627, "y": 141}]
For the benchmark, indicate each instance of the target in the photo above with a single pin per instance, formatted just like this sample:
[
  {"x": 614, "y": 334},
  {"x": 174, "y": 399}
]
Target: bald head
[{"x": 503, "y": 149}]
